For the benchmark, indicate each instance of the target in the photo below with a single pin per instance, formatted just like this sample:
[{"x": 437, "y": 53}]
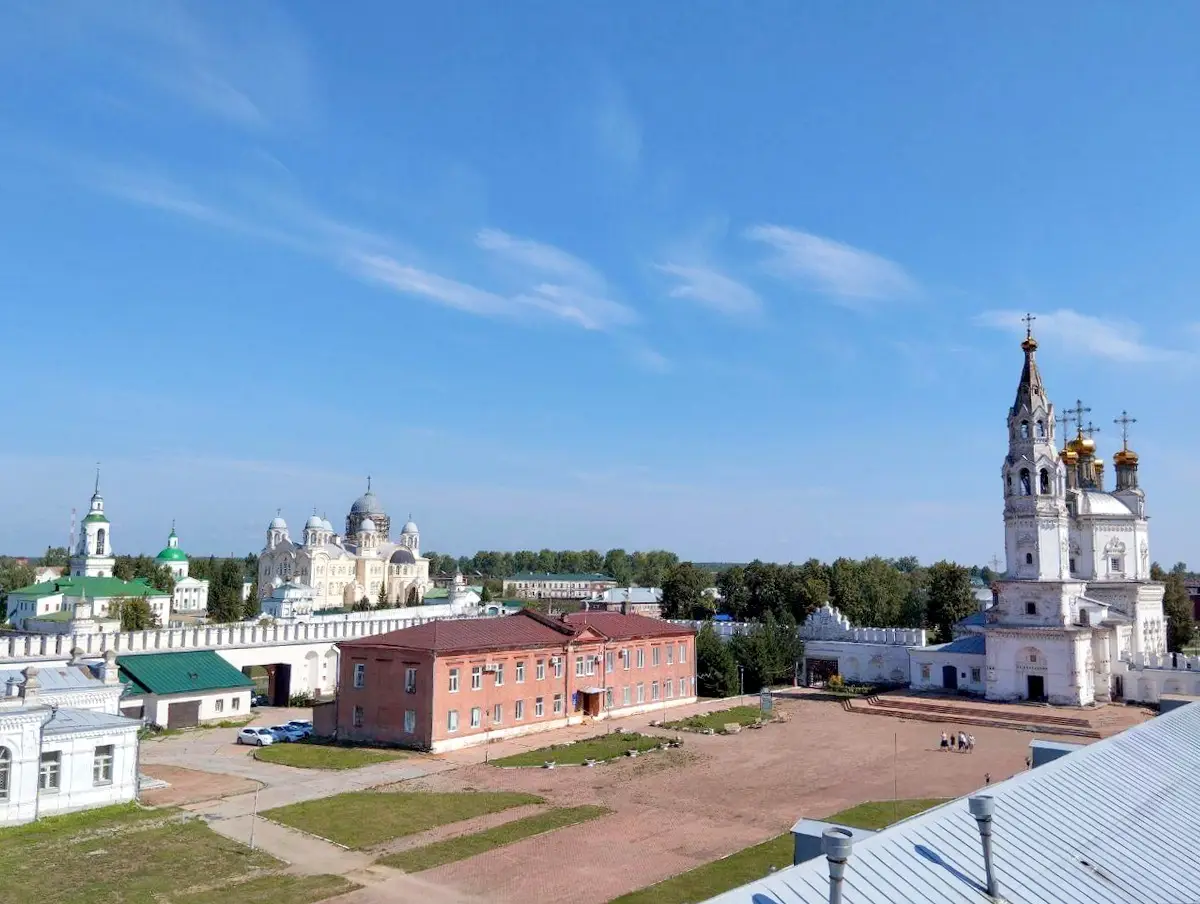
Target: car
[
  {"x": 304, "y": 726},
  {"x": 256, "y": 736},
  {"x": 286, "y": 733},
  {"x": 259, "y": 700}
]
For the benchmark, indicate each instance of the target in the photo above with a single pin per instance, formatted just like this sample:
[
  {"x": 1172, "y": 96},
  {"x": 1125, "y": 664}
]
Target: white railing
[{"x": 827, "y": 624}]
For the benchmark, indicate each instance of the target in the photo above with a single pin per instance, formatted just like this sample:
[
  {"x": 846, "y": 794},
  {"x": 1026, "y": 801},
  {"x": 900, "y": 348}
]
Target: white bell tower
[{"x": 94, "y": 557}]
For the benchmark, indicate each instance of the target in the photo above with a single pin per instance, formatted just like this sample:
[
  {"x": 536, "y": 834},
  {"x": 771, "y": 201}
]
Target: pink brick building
[{"x": 452, "y": 683}]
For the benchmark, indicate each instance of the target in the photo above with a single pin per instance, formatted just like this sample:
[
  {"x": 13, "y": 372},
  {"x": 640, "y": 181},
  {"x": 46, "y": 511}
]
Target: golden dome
[
  {"x": 1125, "y": 457},
  {"x": 1099, "y": 463},
  {"x": 1069, "y": 455},
  {"x": 1030, "y": 344},
  {"x": 1086, "y": 446}
]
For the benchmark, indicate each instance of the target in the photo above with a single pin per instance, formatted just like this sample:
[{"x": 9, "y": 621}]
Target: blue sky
[{"x": 735, "y": 280}]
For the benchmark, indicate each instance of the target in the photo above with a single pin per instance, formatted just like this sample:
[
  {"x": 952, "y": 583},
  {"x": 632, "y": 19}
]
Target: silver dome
[{"x": 367, "y": 504}]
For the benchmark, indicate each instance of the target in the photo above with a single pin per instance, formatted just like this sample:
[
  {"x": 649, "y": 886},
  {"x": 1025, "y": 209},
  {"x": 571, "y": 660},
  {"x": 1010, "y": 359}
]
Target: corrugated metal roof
[
  {"x": 975, "y": 644},
  {"x": 618, "y": 626},
  {"x": 470, "y": 634},
  {"x": 56, "y": 678},
  {"x": 67, "y": 721},
  {"x": 1113, "y": 823},
  {"x": 180, "y": 673}
]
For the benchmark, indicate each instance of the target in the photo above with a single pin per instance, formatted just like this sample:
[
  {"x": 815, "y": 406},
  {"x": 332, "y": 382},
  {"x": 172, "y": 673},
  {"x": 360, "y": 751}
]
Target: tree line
[
  {"x": 640, "y": 569},
  {"x": 768, "y": 654}
]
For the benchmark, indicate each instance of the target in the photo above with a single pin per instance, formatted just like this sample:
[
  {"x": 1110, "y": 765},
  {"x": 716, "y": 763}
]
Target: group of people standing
[{"x": 964, "y": 741}]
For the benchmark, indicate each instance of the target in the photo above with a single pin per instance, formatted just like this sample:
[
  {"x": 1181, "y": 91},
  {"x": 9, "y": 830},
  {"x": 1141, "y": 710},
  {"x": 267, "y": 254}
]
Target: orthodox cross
[
  {"x": 1091, "y": 429},
  {"x": 1076, "y": 414},
  {"x": 1065, "y": 419},
  {"x": 97, "y": 477},
  {"x": 1028, "y": 320},
  {"x": 368, "y": 483},
  {"x": 1125, "y": 420}
]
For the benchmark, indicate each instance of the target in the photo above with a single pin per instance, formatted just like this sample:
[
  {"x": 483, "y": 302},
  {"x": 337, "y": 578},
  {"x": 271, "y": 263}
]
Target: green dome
[{"x": 171, "y": 555}]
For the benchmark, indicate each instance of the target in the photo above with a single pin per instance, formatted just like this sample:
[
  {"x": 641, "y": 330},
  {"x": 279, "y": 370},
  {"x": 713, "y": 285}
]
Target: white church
[{"x": 1076, "y": 602}]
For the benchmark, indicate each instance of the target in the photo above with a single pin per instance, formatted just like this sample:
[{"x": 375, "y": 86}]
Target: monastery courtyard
[{"x": 670, "y": 810}]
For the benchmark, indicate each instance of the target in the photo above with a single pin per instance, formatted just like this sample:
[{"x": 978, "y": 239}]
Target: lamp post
[{"x": 741, "y": 687}]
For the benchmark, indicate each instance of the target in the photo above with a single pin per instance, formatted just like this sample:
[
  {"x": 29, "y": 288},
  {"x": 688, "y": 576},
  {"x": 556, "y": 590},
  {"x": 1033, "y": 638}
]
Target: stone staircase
[{"x": 990, "y": 715}]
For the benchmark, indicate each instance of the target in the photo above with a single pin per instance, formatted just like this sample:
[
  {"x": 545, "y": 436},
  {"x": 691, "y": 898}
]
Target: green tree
[
  {"x": 1177, "y": 607},
  {"x": 769, "y": 652},
  {"x": 225, "y": 592},
  {"x": 951, "y": 597},
  {"x": 811, "y": 589},
  {"x": 135, "y": 613},
  {"x": 13, "y": 576},
  {"x": 845, "y": 590},
  {"x": 716, "y": 669},
  {"x": 1179, "y": 568},
  {"x": 56, "y": 556},
  {"x": 413, "y": 598},
  {"x": 252, "y": 607},
  {"x": 617, "y": 565},
  {"x": 682, "y": 592},
  {"x": 381, "y": 598},
  {"x": 485, "y": 595},
  {"x": 363, "y": 605},
  {"x": 735, "y": 595}
]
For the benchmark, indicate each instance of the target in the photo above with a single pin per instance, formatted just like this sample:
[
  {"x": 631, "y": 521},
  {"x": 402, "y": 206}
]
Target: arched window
[
  {"x": 1008, "y": 482},
  {"x": 5, "y": 772},
  {"x": 1044, "y": 481},
  {"x": 1031, "y": 608},
  {"x": 1028, "y": 558},
  {"x": 1024, "y": 429},
  {"x": 1026, "y": 488},
  {"x": 100, "y": 542},
  {"x": 1041, "y": 429}
]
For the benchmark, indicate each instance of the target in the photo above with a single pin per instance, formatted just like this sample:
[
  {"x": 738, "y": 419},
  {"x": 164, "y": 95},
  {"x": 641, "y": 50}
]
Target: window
[
  {"x": 360, "y": 674},
  {"x": 454, "y": 681},
  {"x": 558, "y": 704},
  {"x": 1031, "y": 608},
  {"x": 654, "y": 656},
  {"x": 975, "y": 675},
  {"x": 1041, "y": 429},
  {"x": 558, "y": 666},
  {"x": 50, "y": 773},
  {"x": 1044, "y": 481},
  {"x": 641, "y": 657},
  {"x": 219, "y": 705},
  {"x": 540, "y": 670},
  {"x": 452, "y": 720},
  {"x": 410, "y": 680},
  {"x": 235, "y": 703},
  {"x": 683, "y": 687},
  {"x": 520, "y": 673},
  {"x": 626, "y": 697},
  {"x": 641, "y": 692},
  {"x": 499, "y": 674},
  {"x": 5, "y": 771},
  {"x": 653, "y": 690},
  {"x": 670, "y": 654},
  {"x": 1028, "y": 558},
  {"x": 1026, "y": 487},
  {"x": 357, "y": 717},
  {"x": 668, "y": 688},
  {"x": 410, "y": 720},
  {"x": 519, "y": 710},
  {"x": 539, "y": 707},
  {"x": 1024, "y": 429},
  {"x": 1115, "y": 564},
  {"x": 1071, "y": 564},
  {"x": 476, "y": 716},
  {"x": 497, "y": 713},
  {"x": 608, "y": 697},
  {"x": 578, "y": 666},
  {"x": 625, "y": 660},
  {"x": 99, "y": 546},
  {"x": 682, "y": 651},
  {"x": 476, "y": 677},
  {"x": 609, "y": 660},
  {"x": 102, "y": 765}
]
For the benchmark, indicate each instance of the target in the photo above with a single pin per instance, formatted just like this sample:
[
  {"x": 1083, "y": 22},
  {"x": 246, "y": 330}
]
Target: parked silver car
[
  {"x": 304, "y": 726},
  {"x": 257, "y": 736}
]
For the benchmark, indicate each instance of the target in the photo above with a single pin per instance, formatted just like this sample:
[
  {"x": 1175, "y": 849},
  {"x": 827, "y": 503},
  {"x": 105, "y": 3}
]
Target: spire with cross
[
  {"x": 1124, "y": 421},
  {"x": 368, "y": 483},
  {"x": 1028, "y": 320},
  {"x": 97, "y": 490}
]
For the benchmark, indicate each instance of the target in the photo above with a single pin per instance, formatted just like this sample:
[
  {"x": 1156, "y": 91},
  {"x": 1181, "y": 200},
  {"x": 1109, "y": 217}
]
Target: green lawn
[
  {"x": 452, "y": 849},
  {"x": 359, "y": 819},
  {"x": 752, "y": 863},
  {"x": 742, "y": 715},
  {"x": 324, "y": 756},
  {"x": 141, "y": 857},
  {"x": 603, "y": 747}
]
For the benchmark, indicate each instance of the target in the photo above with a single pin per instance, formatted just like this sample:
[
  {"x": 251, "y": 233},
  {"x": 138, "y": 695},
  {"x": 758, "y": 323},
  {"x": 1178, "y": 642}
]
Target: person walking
[
  {"x": 945, "y": 742},
  {"x": 970, "y": 743}
]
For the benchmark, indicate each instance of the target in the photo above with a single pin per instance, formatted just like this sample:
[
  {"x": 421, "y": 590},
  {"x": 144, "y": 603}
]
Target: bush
[
  {"x": 301, "y": 700},
  {"x": 837, "y": 683}
]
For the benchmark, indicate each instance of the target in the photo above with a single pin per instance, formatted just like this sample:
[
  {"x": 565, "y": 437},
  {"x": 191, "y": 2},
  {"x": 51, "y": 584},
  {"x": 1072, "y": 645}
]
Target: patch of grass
[
  {"x": 604, "y": 747},
  {"x": 879, "y": 814},
  {"x": 103, "y": 819},
  {"x": 742, "y": 715},
  {"x": 324, "y": 756},
  {"x": 273, "y": 889},
  {"x": 359, "y": 819},
  {"x": 452, "y": 849},
  {"x": 752, "y": 863}
]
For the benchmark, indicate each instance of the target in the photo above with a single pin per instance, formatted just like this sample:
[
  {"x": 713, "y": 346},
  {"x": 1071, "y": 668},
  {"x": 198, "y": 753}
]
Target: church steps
[
  {"x": 958, "y": 717},
  {"x": 980, "y": 712}
]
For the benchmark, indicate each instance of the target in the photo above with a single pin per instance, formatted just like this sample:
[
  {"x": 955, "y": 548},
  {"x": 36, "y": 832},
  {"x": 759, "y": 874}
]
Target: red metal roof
[
  {"x": 466, "y": 634},
  {"x": 616, "y": 626}
]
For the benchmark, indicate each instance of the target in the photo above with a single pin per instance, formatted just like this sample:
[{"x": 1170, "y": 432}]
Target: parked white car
[
  {"x": 304, "y": 726},
  {"x": 286, "y": 733},
  {"x": 258, "y": 737}
]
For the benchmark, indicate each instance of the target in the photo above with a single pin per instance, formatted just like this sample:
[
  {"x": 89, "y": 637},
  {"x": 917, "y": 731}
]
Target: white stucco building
[
  {"x": 191, "y": 594},
  {"x": 63, "y": 744},
  {"x": 290, "y": 600},
  {"x": 1076, "y": 597},
  {"x": 341, "y": 570}
]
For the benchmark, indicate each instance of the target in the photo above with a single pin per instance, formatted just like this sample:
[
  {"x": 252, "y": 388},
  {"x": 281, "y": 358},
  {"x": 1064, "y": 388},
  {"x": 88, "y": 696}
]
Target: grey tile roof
[
  {"x": 67, "y": 721},
  {"x": 1113, "y": 823}
]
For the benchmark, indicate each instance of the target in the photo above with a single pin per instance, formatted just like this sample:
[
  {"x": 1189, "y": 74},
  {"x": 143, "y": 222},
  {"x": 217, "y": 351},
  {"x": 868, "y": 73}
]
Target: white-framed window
[
  {"x": 539, "y": 707},
  {"x": 410, "y": 680},
  {"x": 539, "y": 670},
  {"x": 410, "y": 720},
  {"x": 608, "y": 697},
  {"x": 497, "y": 713},
  {"x": 219, "y": 705},
  {"x": 1115, "y": 564},
  {"x": 5, "y": 772},
  {"x": 668, "y": 687},
  {"x": 102, "y": 765},
  {"x": 499, "y": 674},
  {"x": 626, "y": 695},
  {"x": 578, "y": 666},
  {"x": 683, "y": 687},
  {"x": 235, "y": 703},
  {"x": 625, "y": 660},
  {"x": 670, "y": 654},
  {"x": 609, "y": 661},
  {"x": 654, "y": 656},
  {"x": 454, "y": 681},
  {"x": 925, "y": 671},
  {"x": 558, "y": 667},
  {"x": 558, "y": 704},
  {"x": 520, "y": 669},
  {"x": 641, "y": 657},
  {"x": 975, "y": 675},
  {"x": 357, "y": 717},
  {"x": 476, "y": 716},
  {"x": 360, "y": 674},
  {"x": 653, "y": 690},
  {"x": 641, "y": 692},
  {"x": 476, "y": 677},
  {"x": 50, "y": 771},
  {"x": 452, "y": 720},
  {"x": 519, "y": 710}
]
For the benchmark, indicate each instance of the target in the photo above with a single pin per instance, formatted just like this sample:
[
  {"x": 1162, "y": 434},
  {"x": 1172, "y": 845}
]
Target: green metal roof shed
[{"x": 182, "y": 673}]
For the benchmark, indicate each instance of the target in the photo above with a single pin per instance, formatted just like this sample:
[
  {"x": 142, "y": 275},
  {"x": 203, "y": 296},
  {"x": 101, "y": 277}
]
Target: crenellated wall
[
  {"x": 828, "y": 624},
  {"x": 1145, "y": 677}
]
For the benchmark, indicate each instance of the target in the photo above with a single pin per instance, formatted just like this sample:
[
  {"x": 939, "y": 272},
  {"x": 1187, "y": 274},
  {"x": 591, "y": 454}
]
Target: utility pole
[{"x": 254, "y": 817}]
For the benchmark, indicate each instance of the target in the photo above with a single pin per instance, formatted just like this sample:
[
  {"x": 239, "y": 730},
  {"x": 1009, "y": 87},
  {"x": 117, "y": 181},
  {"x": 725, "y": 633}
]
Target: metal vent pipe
[
  {"x": 983, "y": 808},
  {"x": 836, "y": 844}
]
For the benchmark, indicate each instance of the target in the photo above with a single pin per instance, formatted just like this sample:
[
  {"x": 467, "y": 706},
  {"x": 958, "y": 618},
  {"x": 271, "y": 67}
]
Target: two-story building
[
  {"x": 551, "y": 586},
  {"x": 452, "y": 683}
]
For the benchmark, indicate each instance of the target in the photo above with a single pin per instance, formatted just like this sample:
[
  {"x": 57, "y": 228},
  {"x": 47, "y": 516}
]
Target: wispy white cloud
[
  {"x": 540, "y": 257},
  {"x": 1113, "y": 339},
  {"x": 713, "y": 289},
  {"x": 411, "y": 281},
  {"x": 617, "y": 128},
  {"x": 850, "y": 275}
]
